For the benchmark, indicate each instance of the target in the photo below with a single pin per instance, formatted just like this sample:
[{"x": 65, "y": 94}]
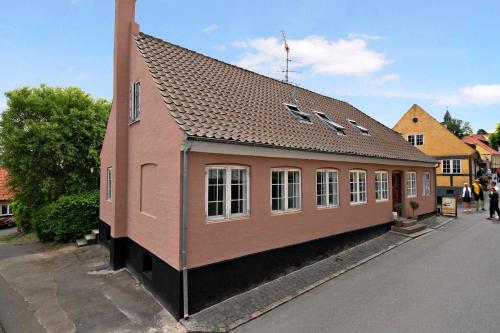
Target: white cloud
[
  {"x": 349, "y": 57},
  {"x": 386, "y": 78},
  {"x": 479, "y": 94},
  {"x": 354, "y": 35},
  {"x": 211, "y": 28}
]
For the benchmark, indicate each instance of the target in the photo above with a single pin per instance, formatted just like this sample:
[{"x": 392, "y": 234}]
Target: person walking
[
  {"x": 477, "y": 190},
  {"x": 493, "y": 194},
  {"x": 466, "y": 197}
]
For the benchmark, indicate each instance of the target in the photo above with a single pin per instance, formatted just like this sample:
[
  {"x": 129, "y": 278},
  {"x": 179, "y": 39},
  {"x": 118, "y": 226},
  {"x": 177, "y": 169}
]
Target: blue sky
[{"x": 380, "y": 56}]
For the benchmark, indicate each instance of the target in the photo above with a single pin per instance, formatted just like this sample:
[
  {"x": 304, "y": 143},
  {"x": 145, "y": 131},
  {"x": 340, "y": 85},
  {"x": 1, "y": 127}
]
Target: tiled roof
[
  {"x": 5, "y": 193},
  {"x": 210, "y": 99},
  {"x": 474, "y": 140}
]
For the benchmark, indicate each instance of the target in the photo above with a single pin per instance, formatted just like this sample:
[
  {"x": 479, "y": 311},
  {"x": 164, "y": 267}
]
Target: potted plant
[
  {"x": 414, "y": 205},
  {"x": 398, "y": 207}
]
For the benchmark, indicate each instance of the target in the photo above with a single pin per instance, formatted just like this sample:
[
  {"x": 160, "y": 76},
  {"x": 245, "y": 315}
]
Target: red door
[{"x": 396, "y": 187}]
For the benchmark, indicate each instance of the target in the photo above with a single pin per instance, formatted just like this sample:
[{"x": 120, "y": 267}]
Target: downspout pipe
[{"x": 186, "y": 147}]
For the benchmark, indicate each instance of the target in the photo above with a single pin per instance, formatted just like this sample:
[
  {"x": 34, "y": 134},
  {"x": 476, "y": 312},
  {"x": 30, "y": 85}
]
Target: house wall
[
  {"x": 154, "y": 171},
  {"x": 210, "y": 242},
  {"x": 441, "y": 144}
]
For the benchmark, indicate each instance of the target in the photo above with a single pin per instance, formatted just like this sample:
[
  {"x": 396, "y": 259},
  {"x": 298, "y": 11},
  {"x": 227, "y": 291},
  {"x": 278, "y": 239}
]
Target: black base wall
[
  {"x": 160, "y": 278},
  {"x": 214, "y": 283}
]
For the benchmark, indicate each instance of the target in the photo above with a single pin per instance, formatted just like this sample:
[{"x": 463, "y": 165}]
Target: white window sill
[
  {"x": 411, "y": 196},
  {"x": 134, "y": 121},
  {"x": 382, "y": 200},
  {"x": 359, "y": 203},
  {"x": 327, "y": 207},
  {"x": 227, "y": 219},
  {"x": 285, "y": 212}
]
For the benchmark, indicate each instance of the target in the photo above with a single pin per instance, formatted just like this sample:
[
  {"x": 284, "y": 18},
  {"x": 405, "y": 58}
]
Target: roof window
[
  {"x": 362, "y": 129},
  {"x": 301, "y": 116},
  {"x": 333, "y": 125}
]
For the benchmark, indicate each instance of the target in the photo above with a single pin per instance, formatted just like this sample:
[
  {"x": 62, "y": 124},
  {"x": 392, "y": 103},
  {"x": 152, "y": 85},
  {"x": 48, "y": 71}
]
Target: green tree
[
  {"x": 494, "y": 137},
  {"x": 50, "y": 140},
  {"x": 458, "y": 127},
  {"x": 481, "y": 131}
]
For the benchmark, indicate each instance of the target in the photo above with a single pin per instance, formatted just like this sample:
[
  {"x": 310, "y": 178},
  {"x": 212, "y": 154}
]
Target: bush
[
  {"x": 68, "y": 218},
  {"x": 22, "y": 216}
]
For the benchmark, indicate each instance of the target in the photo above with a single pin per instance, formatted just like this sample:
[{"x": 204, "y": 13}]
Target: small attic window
[
  {"x": 333, "y": 125},
  {"x": 301, "y": 116},
  {"x": 362, "y": 129}
]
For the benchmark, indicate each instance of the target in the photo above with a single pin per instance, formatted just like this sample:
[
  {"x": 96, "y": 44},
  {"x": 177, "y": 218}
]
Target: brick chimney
[{"x": 125, "y": 28}]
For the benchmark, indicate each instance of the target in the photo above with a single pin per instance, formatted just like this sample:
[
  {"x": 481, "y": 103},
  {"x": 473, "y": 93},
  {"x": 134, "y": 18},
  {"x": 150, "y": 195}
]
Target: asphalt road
[{"x": 445, "y": 281}]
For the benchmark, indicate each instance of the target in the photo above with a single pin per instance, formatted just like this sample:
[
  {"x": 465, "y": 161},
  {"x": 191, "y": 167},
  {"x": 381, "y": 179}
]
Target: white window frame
[
  {"x": 135, "y": 101},
  {"x": 9, "y": 210},
  {"x": 414, "y": 140},
  {"x": 383, "y": 187},
  {"x": 358, "y": 192},
  {"x": 426, "y": 184},
  {"x": 109, "y": 183},
  {"x": 452, "y": 163},
  {"x": 411, "y": 184},
  {"x": 227, "y": 199},
  {"x": 285, "y": 192},
  {"x": 327, "y": 184}
]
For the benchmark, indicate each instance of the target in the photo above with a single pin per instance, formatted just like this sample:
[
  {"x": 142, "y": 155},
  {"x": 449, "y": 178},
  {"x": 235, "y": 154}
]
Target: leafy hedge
[{"x": 67, "y": 218}]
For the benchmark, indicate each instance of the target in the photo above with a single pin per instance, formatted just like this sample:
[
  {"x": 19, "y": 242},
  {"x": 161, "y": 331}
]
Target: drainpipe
[{"x": 186, "y": 147}]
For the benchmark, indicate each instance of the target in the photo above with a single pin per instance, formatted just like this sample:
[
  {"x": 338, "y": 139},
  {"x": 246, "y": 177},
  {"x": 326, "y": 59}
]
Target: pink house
[{"x": 215, "y": 178}]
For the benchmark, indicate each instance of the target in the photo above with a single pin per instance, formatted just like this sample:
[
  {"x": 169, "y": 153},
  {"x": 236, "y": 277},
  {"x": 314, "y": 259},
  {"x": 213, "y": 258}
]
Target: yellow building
[
  {"x": 490, "y": 158},
  {"x": 458, "y": 161}
]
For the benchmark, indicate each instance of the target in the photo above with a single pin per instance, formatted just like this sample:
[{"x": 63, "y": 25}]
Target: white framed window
[
  {"x": 381, "y": 185},
  {"x": 227, "y": 192},
  {"x": 285, "y": 190},
  {"x": 426, "y": 186},
  {"x": 5, "y": 210},
  {"x": 411, "y": 184},
  {"x": 362, "y": 129},
  {"x": 109, "y": 183},
  {"x": 452, "y": 166},
  {"x": 327, "y": 188},
  {"x": 135, "y": 101},
  {"x": 357, "y": 181},
  {"x": 416, "y": 139}
]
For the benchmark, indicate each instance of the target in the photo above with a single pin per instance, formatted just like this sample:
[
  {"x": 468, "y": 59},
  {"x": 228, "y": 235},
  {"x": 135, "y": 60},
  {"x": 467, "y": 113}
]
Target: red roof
[
  {"x": 477, "y": 140},
  {"x": 5, "y": 193}
]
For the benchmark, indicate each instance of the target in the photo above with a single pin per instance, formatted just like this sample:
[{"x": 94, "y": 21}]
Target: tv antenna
[{"x": 287, "y": 50}]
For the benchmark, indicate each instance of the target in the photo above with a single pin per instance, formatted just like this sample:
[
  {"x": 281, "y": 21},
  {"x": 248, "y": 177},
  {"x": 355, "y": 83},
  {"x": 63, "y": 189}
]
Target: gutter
[
  {"x": 431, "y": 161},
  {"x": 186, "y": 147}
]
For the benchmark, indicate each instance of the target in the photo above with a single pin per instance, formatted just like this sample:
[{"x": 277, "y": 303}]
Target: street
[{"x": 445, "y": 281}]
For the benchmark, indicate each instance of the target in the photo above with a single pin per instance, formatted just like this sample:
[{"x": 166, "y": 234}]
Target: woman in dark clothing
[{"x": 493, "y": 194}]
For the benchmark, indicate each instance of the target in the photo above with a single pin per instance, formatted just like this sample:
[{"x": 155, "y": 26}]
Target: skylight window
[
  {"x": 333, "y": 125},
  {"x": 301, "y": 116},
  {"x": 362, "y": 129}
]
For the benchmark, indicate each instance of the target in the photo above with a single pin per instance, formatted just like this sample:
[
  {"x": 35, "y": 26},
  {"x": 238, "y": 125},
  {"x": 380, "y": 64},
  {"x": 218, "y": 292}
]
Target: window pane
[
  {"x": 277, "y": 190},
  {"x": 212, "y": 209}
]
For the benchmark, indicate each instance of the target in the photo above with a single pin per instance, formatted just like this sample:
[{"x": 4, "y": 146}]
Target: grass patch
[{"x": 19, "y": 238}]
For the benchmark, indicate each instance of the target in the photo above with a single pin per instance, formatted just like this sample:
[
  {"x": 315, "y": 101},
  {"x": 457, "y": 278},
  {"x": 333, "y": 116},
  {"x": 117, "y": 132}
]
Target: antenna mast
[{"x": 287, "y": 50}]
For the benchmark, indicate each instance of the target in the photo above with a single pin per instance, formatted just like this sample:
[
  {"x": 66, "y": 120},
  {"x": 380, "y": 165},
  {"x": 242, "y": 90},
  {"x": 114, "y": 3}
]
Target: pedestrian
[
  {"x": 477, "y": 190},
  {"x": 466, "y": 197},
  {"x": 493, "y": 194}
]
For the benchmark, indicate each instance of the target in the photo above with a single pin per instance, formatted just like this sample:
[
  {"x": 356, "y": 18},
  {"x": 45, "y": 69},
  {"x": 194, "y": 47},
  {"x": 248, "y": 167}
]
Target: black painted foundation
[{"x": 214, "y": 283}]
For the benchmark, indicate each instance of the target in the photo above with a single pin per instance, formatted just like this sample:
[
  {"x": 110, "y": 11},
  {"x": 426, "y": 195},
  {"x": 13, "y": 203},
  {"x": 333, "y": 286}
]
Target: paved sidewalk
[
  {"x": 239, "y": 309},
  {"x": 65, "y": 289},
  {"x": 436, "y": 222}
]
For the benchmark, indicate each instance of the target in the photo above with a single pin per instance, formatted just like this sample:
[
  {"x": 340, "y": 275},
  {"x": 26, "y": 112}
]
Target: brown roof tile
[{"x": 212, "y": 99}]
